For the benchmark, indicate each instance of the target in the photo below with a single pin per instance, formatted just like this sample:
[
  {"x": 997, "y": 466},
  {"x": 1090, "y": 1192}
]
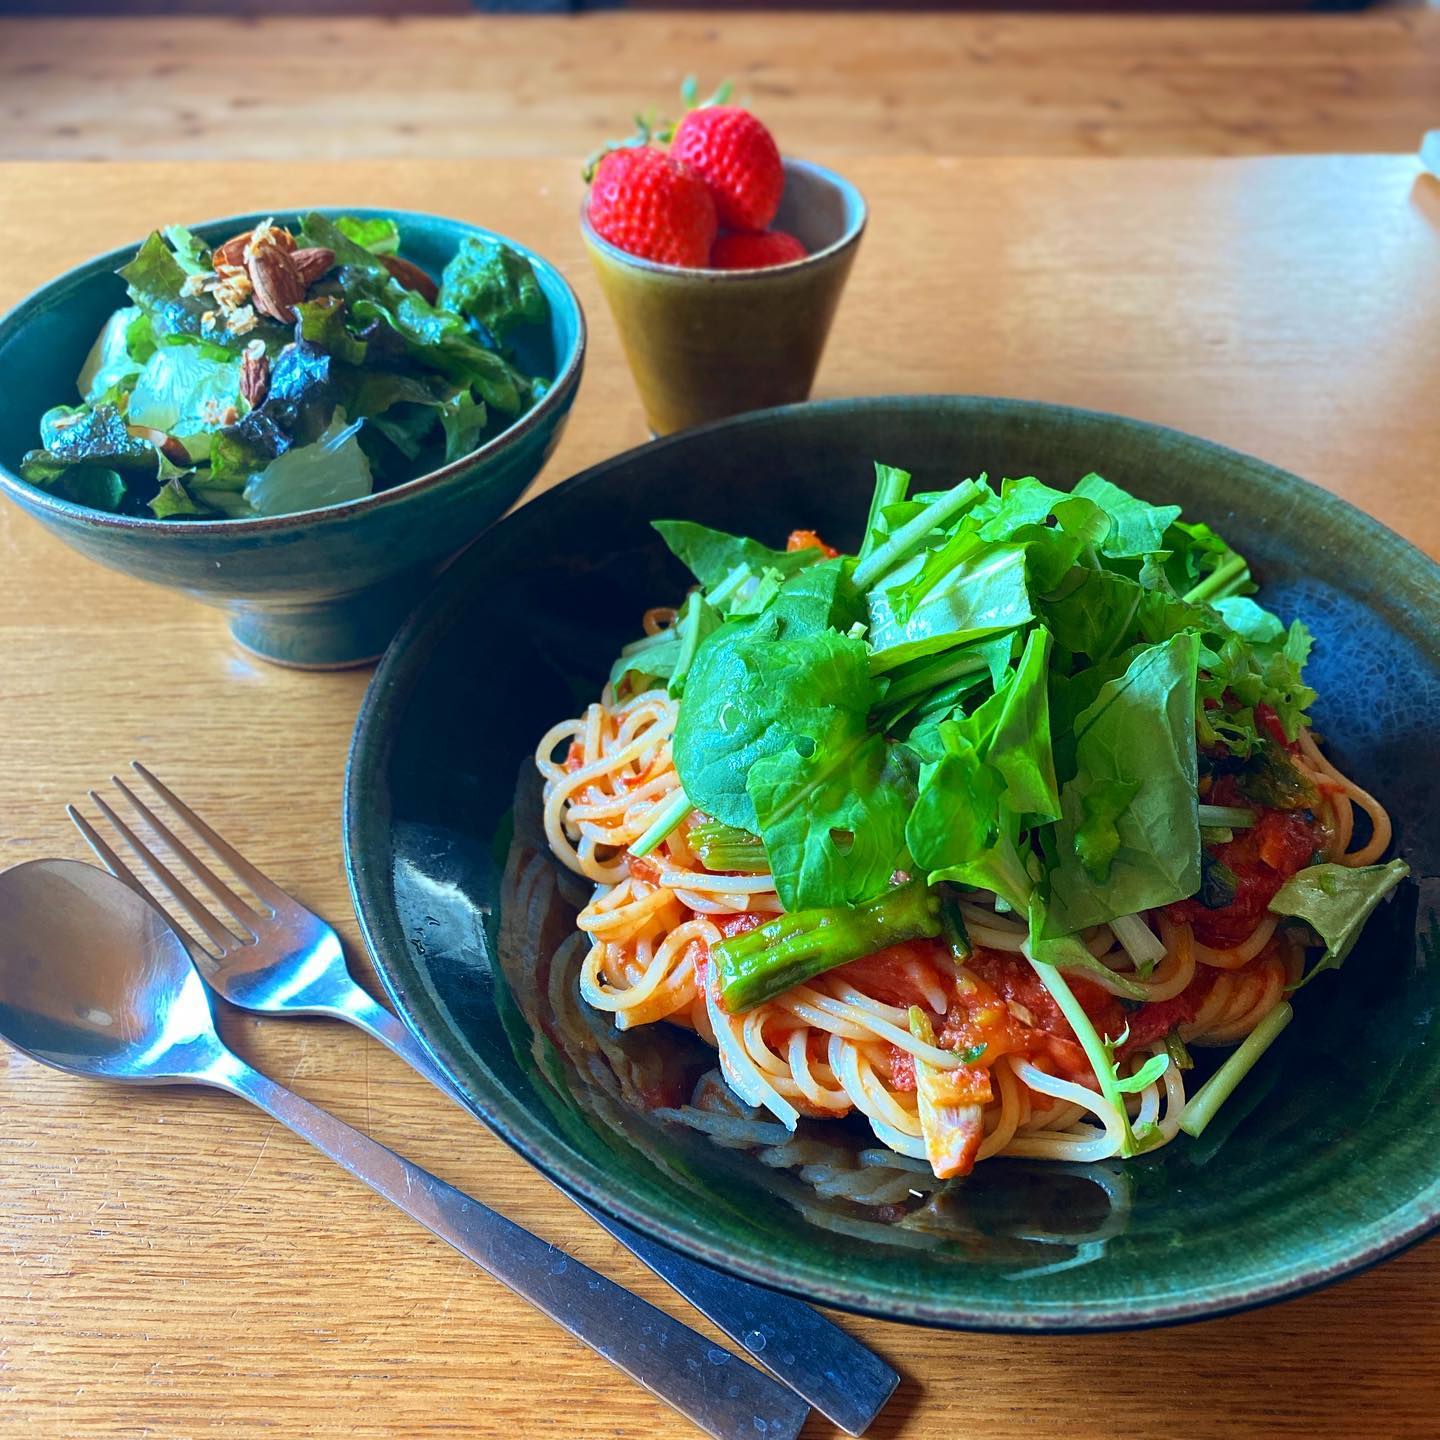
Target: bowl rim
[
  {"x": 388, "y": 695},
  {"x": 14, "y": 321},
  {"x": 849, "y": 238}
]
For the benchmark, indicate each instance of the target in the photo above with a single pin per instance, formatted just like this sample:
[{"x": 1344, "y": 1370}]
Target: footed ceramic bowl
[
  {"x": 322, "y": 588},
  {"x": 1325, "y": 1160}
]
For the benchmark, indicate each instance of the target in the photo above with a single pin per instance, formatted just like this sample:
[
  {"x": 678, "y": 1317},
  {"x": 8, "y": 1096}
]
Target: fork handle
[
  {"x": 725, "y": 1397},
  {"x": 844, "y": 1380}
]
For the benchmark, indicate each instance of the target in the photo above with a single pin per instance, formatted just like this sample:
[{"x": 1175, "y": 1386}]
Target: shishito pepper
[{"x": 794, "y": 948}]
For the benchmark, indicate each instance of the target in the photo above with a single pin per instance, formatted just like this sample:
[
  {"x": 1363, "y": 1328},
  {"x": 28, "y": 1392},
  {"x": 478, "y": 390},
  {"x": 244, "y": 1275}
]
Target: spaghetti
[{"x": 950, "y": 1059}]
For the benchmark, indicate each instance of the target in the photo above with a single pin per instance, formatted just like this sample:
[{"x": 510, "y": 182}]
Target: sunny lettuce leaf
[
  {"x": 712, "y": 556},
  {"x": 463, "y": 419},
  {"x": 1336, "y": 901},
  {"x": 494, "y": 285},
  {"x": 376, "y": 233},
  {"x": 96, "y": 437},
  {"x": 433, "y": 337},
  {"x": 322, "y": 321}
]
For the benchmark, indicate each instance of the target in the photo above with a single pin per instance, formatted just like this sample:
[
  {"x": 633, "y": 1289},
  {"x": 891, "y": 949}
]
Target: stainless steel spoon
[{"x": 94, "y": 981}]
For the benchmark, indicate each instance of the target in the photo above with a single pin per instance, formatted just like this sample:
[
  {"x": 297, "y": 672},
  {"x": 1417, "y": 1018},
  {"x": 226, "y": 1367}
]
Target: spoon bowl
[{"x": 94, "y": 981}]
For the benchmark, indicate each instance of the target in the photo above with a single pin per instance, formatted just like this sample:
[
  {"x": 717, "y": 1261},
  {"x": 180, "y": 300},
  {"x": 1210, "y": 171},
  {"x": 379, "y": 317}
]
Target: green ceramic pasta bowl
[
  {"x": 1327, "y": 1160},
  {"x": 321, "y": 588}
]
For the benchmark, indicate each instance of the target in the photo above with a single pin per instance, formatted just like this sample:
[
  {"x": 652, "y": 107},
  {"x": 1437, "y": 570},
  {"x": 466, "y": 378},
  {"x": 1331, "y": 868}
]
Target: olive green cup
[{"x": 704, "y": 344}]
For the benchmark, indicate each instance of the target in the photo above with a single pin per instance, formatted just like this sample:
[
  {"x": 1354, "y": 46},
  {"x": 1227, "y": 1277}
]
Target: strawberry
[
  {"x": 739, "y": 250},
  {"x": 647, "y": 204},
  {"x": 739, "y": 160}
]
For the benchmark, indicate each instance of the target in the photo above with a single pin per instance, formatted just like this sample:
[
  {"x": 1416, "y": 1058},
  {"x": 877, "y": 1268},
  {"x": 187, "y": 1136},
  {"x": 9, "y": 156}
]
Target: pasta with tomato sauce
[{"x": 962, "y": 936}]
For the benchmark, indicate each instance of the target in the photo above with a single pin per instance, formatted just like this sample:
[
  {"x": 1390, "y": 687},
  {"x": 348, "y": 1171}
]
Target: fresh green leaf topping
[{"x": 1336, "y": 901}]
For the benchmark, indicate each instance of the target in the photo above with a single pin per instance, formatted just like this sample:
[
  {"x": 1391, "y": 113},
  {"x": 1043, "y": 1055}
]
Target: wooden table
[
  {"x": 173, "y": 1266},
  {"x": 156, "y": 87}
]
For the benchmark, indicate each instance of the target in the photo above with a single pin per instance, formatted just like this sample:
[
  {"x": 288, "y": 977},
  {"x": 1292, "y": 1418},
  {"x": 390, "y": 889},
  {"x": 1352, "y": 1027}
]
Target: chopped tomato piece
[
  {"x": 1012, "y": 978},
  {"x": 809, "y": 540},
  {"x": 1270, "y": 723},
  {"x": 732, "y": 925},
  {"x": 642, "y": 867},
  {"x": 902, "y": 974}
]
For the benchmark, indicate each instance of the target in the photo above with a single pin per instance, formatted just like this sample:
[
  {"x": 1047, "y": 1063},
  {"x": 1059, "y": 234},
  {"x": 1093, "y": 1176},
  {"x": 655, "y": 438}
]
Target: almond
[
  {"x": 312, "y": 263},
  {"x": 168, "y": 445},
  {"x": 255, "y": 378},
  {"x": 276, "y": 281},
  {"x": 233, "y": 251},
  {"x": 411, "y": 276}
]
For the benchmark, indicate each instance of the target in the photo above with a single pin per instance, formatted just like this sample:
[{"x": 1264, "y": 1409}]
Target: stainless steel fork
[{"x": 285, "y": 960}]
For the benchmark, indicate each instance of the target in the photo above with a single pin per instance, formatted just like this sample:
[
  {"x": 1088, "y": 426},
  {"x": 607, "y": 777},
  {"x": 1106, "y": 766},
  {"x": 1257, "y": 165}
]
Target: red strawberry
[
  {"x": 647, "y": 204},
  {"x": 739, "y": 160},
  {"x": 743, "y": 251}
]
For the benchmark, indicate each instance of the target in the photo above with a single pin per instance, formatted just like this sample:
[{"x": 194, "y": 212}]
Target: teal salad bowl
[
  {"x": 1325, "y": 1159},
  {"x": 321, "y": 588}
]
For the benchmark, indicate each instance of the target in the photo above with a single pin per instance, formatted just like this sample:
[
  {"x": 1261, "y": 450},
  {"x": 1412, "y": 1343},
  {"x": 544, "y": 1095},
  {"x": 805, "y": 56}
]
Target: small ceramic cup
[{"x": 704, "y": 344}]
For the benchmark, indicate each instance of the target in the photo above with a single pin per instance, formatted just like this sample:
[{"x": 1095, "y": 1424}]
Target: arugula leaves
[
  {"x": 980, "y": 590},
  {"x": 669, "y": 655},
  {"x": 1009, "y": 690},
  {"x": 831, "y": 805},
  {"x": 1135, "y": 527},
  {"x": 713, "y": 557}
]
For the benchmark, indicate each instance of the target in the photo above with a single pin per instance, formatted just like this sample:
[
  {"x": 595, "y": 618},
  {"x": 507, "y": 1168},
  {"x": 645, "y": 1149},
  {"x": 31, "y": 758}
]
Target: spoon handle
[
  {"x": 844, "y": 1380},
  {"x": 725, "y": 1397}
]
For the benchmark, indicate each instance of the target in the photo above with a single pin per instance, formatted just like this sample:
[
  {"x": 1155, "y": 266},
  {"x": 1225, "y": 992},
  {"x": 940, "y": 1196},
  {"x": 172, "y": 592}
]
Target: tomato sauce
[
  {"x": 1262, "y": 859},
  {"x": 901, "y": 974},
  {"x": 1157, "y": 1019}
]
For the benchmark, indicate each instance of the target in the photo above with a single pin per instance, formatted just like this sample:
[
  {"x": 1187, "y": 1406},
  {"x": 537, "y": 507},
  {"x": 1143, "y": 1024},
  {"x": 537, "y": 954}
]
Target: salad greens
[
  {"x": 1015, "y": 689},
  {"x": 218, "y": 392}
]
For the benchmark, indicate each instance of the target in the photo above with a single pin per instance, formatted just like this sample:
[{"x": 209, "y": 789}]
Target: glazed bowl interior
[
  {"x": 1327, "y": 1159},
  {"x": 819, "y": 208}
]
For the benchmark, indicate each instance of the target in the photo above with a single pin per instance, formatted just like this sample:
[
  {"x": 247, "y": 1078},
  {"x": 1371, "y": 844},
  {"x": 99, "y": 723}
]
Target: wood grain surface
[
  {"x": 175, "y": 1266},
  {"x": 211, "y": 89}
]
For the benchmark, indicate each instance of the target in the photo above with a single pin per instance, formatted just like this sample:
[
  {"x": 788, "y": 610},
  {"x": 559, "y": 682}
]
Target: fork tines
[{"x": 238, "y": 927}]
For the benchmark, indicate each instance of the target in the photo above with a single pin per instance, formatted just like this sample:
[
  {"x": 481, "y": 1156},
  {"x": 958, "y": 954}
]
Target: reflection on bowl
[{"x": 322, "y": 588}]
